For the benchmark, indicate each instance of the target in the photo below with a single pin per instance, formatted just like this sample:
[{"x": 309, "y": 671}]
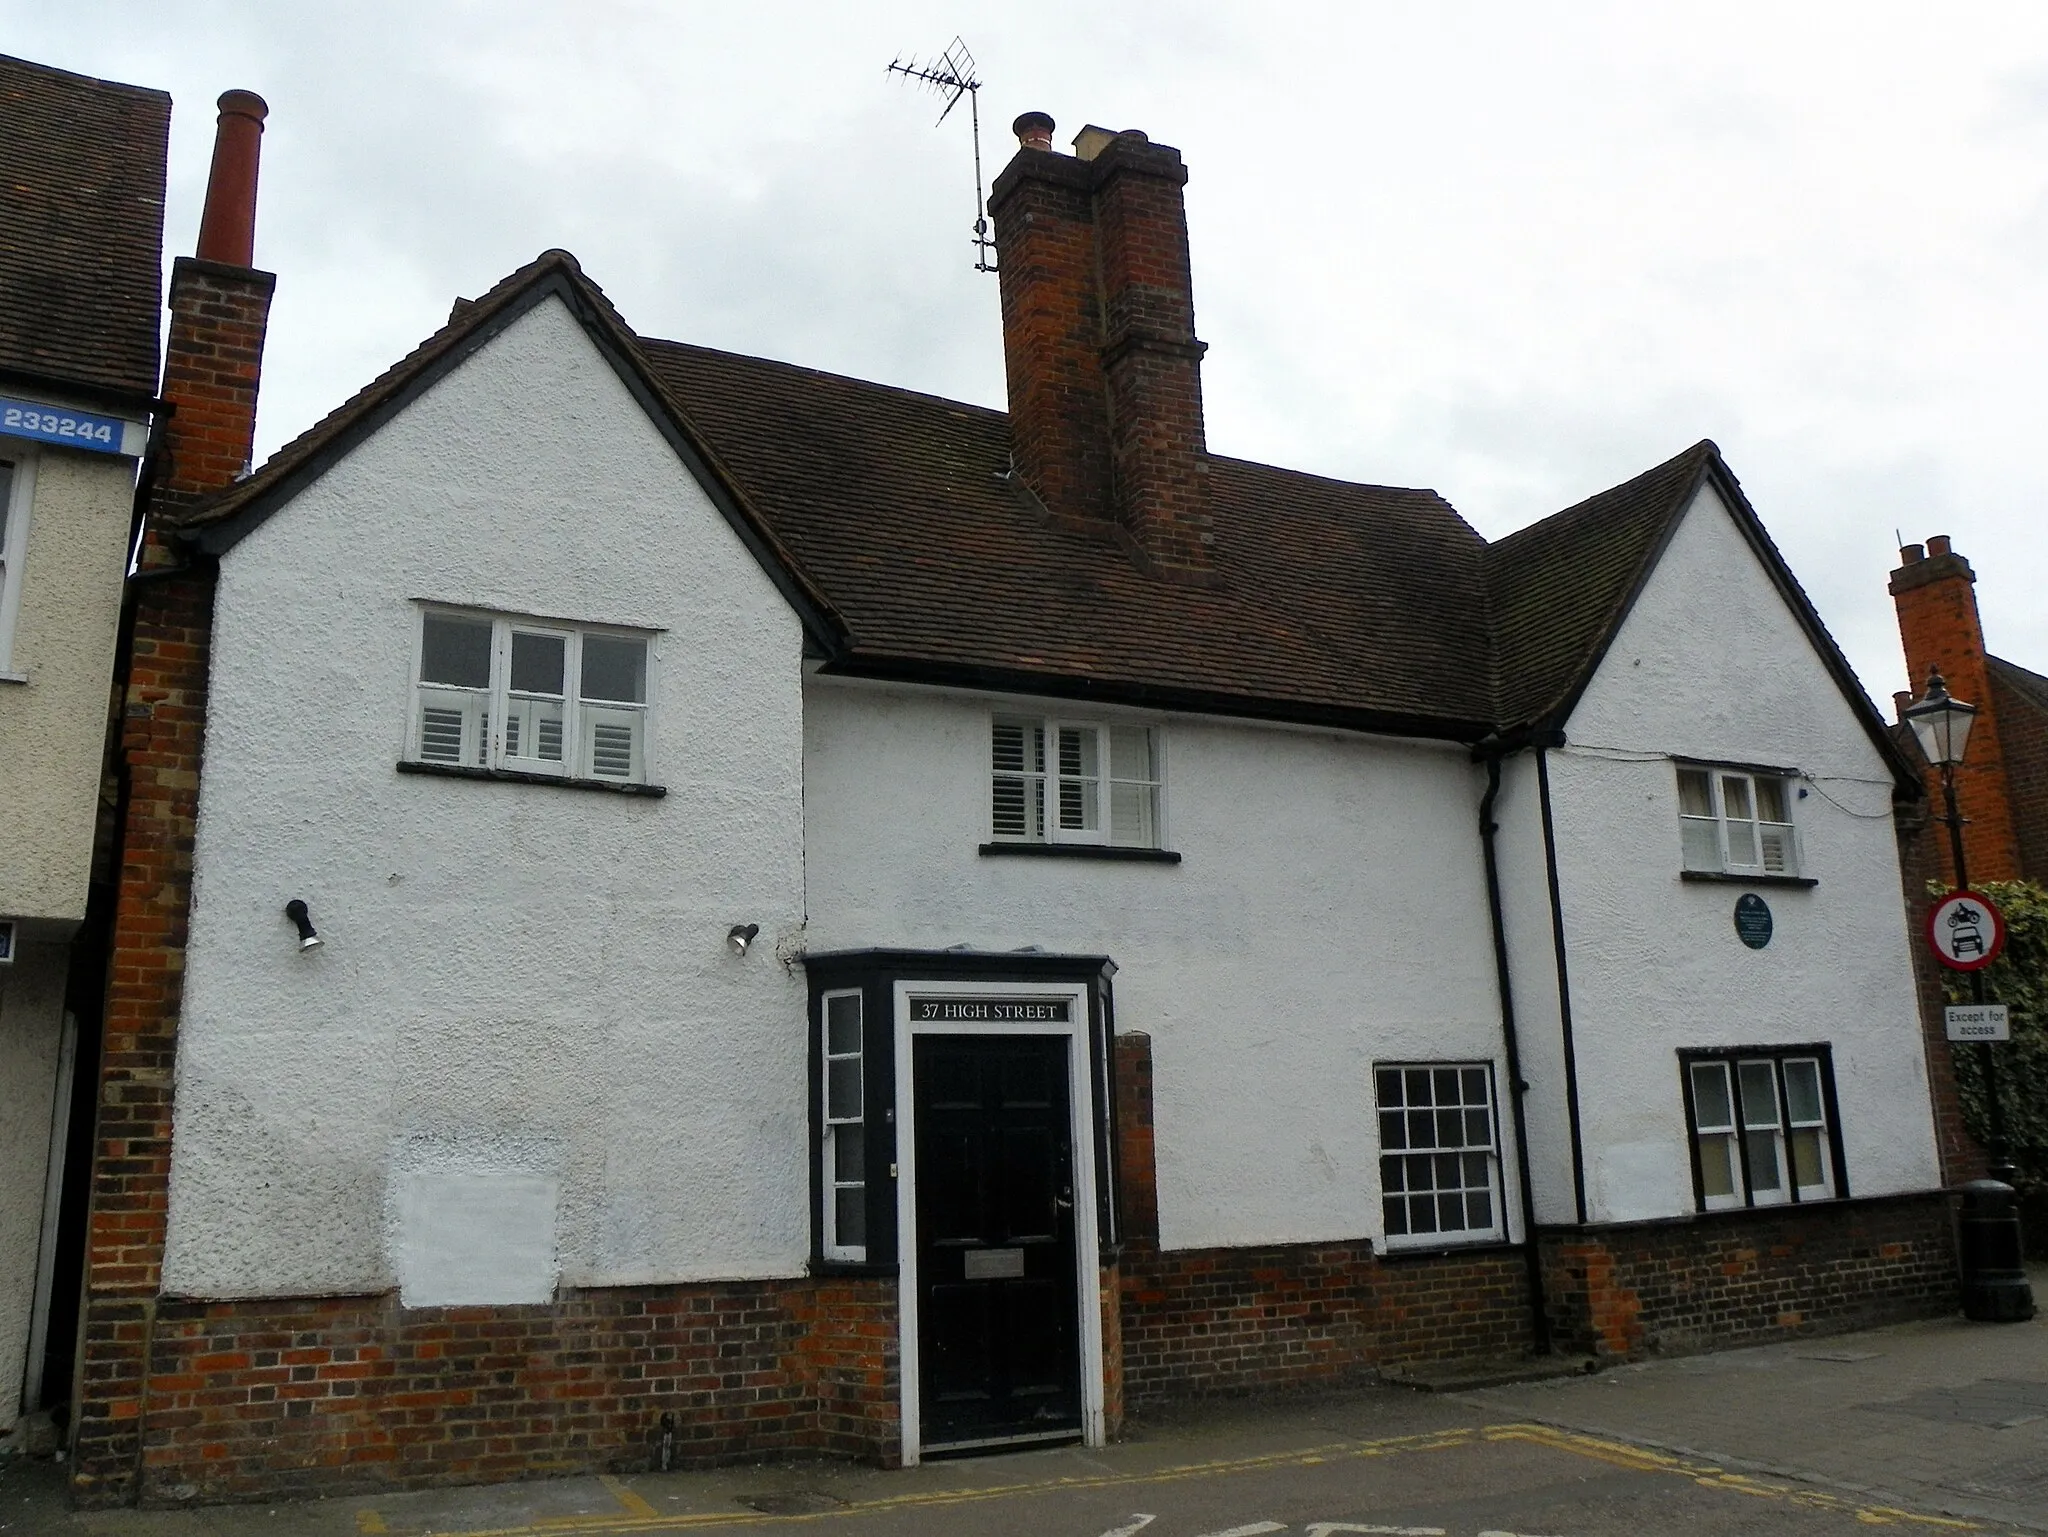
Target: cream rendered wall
[
  {"x": 31, "y": 1018},
  {"x": 1329, "y": 912},
  {"x": 1711, "y": 664},
  {"x": 525, "y": 1006},
  {"x": 53, "y": 727}
]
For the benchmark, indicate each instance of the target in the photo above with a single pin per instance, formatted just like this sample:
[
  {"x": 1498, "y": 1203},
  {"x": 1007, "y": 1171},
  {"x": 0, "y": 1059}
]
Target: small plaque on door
[{"x": 994, "y": 1264}]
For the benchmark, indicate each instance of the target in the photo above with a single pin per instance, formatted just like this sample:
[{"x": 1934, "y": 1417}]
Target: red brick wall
[
  {"x": 1730, "y": 1278},
  {"x": 249, "y": 1400},
  {"x": 2023, "y": 732},
  {"x": 213, "y": 363},
  {"x": 1921, "y": 842}
]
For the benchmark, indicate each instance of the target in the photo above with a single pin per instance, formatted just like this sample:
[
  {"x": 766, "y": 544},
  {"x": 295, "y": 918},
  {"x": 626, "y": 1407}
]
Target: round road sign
[{"x": 1966, "y": 930}]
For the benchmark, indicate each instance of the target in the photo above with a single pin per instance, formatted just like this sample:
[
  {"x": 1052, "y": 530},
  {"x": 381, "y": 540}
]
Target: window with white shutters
[
  {"x": 540, "y": 698},
  {"x": 1055, "y": 781},
  {"x": 1736, "y": 821}
]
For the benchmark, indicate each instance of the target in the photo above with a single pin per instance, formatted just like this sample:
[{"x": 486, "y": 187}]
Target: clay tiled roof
[
  {"x": 891, "y": 521},
  {"x": 2029, "y": 685},
  {"x": 81, "y": 227}
]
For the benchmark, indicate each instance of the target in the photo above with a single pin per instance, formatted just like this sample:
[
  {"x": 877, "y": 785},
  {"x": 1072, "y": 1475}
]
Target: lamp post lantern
[{"x": 1941, "y": 725}]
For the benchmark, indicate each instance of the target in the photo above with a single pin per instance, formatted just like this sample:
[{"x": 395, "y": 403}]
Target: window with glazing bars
[
  {"x": 1063, "y": 782},
  {"x": 842, "y": 1169},
  {"x": 1439, "y": 1151},
  {"x": 1763, "y": 1126},
  {"x": 544, "y": 698},
  {"x": 1736, "y": 822}
]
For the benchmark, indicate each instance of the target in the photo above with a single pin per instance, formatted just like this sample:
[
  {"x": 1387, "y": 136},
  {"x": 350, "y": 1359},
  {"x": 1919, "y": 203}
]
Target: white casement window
[
  {"x": 17, "y": 476},
  {"x": 1439, "y": 1152},
  {"x": 1074, "y": 782},
  {"x": 1760, "y": 1127},
  {"x": 842, "y": 1173},
  {"x": 1736, "y": 822},
  {"x": 537, "y": 696}
]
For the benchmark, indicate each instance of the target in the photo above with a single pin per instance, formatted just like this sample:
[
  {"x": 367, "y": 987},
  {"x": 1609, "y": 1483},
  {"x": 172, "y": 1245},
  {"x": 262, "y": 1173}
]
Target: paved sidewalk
[{"x": 1945, "y": 1416}]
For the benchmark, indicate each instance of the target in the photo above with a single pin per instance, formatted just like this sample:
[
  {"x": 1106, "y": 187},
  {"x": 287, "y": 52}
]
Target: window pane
[
  {"x": 455, "y": 651},
  {"x": 1130, "y": 816},
  {"x": 1777, "y": 849},
  {"x": 537, "y": 662},
  {"x": 1422, "y": 1128},
  {"x": 1446, "y": 1085},
  {"x": 1735, "y": 797},
  {"x": 1130, "y": 752},
  {"x": 1717, "y": 1166},
  {"x": 615, "y": 669},
  {"x": 1018, "y": 808},
  {"x": 1695, "y": 793},
  {"x": 842, "y": 1024},
  {"x": 1759, "y": 1094},
  {"x": 1742, "y": 844},
  {"x": 1393, "y": 1130},
  {"x": 1392, "y": 1174},
  {"x": 1078, "y": 752},
  {"x": 1711, "y": 1109},
  {"x": 1700, "y": 845},
  {"x": 1417, "y": 1082},
  {"x": 1422, "y": 1214},
  {"x": 847, "y": 1153},
  {"x": 1802, "y": 1090},
  {"x": 1479, "y": 1209},
  {"x": 1806, "y": 1164},
  {"x": 1763, "y": 1161},
  {"x": 1477, "y": 1132},
  {"x": 1389, "y": 1088},
  {"x": 842, "y": 1089},
  {"x": 1474, "y": 1079},
  {"x": 850, "y": 1216},
  {"x": 1019, "y": 747},
  {"x": 1078, "y": 805},
  {"x": 1770, "y": 800}
]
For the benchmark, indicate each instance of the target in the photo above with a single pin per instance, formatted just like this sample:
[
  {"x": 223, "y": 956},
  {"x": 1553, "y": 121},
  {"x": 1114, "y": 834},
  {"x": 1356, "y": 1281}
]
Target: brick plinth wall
[
  {"x": 259, "y": 1399},
  {"x": 1738, "y": 1277}
]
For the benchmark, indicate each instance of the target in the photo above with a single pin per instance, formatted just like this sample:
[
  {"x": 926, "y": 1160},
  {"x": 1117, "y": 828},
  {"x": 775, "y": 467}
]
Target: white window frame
[
  {"x": 1051, "y": 783},
  {"x": 832, "y": 1127},
  {"x": 485, "y": 735},
  {"x": 1731, "y": 829},
  {"x": 1407, "y": 1150},
  {"x": 1753, "y": 1133},
  {"x": 14, "y": 548}
]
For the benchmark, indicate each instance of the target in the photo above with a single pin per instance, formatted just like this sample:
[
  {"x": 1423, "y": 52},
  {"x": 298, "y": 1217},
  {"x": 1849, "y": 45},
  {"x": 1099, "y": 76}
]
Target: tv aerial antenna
[{"x": 951, "y": 75}]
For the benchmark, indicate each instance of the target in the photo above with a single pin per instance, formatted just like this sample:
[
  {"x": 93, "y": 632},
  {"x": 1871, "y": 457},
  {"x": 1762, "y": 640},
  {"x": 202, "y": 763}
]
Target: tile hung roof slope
[
  {"x": 894, "y": 522},
  {"x": 81, "y": 227}
]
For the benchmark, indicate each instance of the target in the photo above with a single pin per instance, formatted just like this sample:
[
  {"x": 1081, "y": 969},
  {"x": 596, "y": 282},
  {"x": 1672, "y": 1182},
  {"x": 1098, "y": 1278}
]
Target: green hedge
[{"x": 2018, "y": 979}]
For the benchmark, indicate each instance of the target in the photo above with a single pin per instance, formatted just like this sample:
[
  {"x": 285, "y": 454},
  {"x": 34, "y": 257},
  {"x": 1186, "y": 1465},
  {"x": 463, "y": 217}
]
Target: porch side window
[{"x": 843, "y": 1149}]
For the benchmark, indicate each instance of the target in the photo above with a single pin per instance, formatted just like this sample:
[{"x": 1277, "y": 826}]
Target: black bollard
[{"x": 1995, "y": 1288}]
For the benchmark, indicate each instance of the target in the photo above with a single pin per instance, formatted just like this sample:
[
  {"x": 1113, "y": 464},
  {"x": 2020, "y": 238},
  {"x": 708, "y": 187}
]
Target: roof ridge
[
  {"x": 785, "y": 366},
  {"x": 55, "y": 72}
]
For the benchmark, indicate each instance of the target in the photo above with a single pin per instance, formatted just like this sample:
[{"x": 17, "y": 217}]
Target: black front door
[{"x": 998, "y": 1329}]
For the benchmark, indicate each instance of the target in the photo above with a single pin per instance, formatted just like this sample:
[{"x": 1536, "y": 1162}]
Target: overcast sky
[{"x": 1511, "y": 250}]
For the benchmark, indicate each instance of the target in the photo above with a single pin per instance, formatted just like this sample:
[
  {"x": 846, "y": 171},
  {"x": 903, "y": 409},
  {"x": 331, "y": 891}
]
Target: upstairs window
[
  {"x": 532, "y": 696},
  {"x": 1762, "y": 1125},
  {"x": 1736, "y": 822},
  {"x": 1066, "y": 782}
]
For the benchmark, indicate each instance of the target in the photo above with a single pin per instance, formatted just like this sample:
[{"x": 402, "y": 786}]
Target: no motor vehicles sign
[{"x": 1966, "y": 930}]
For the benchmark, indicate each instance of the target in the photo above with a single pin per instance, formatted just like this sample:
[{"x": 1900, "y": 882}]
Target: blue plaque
[
  {"x": 71, "y": 429},
  {"x": 1753, "y": 920}
]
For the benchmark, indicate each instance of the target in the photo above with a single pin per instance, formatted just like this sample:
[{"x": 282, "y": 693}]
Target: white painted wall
[
  {"x": 31, "y": 1033},
  {"x": 1330, "y": 911},
  {"x": 525, "y": 993},
  {"x": 1711, "y": 664}
]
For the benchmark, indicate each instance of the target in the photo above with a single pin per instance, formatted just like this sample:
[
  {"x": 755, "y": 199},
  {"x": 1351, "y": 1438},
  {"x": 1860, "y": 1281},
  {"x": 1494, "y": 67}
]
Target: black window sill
[
  {"x": 1082, "y": 851},
  {"x": 1727, "y": 879},
  {"x": 851, "y": 1268},
  {"x": 522, "y": 777}
]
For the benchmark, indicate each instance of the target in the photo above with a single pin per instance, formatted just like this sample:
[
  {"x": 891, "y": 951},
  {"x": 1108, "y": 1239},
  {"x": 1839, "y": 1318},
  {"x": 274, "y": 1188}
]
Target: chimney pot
[
  {"x": 1938, "y": 545},
  {"x": 1033, "y": 131},
  {"x": 227, "y": 229},
  {"x": 1901, "y": 698},
  {"x": 1912, "y": 554}
]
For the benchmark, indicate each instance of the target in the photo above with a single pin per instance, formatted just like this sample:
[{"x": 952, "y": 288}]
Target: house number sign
[
  {"x": 70, "y": 429},
  {"x": 1006, "y": 1011},
  {"x": 1753, "y": 920}
]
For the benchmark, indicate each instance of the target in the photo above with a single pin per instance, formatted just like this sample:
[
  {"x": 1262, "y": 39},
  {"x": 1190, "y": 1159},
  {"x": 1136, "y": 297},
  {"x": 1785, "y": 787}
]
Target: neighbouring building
[
  {"x": 81, "y": 229},
  {"x": 732, "y": 909}
]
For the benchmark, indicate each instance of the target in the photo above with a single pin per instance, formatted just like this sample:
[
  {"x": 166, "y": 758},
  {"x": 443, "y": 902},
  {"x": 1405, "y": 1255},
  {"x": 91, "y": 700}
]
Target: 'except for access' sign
[
  {"x": 1978, "y": 1022},
  {"x": 1966, "y": 931}
]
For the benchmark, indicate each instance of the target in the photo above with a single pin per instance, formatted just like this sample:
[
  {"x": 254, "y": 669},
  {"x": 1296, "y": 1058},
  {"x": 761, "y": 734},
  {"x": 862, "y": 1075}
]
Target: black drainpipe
[{"x": 1493, "y": 751}]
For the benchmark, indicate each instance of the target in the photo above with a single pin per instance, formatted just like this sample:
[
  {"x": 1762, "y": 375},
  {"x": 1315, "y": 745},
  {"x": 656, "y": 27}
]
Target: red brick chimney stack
[
  {"x": 1934, "y": 590},
  {"x": 220, "y": 310},
  {"x": 1099, "y": 342}
]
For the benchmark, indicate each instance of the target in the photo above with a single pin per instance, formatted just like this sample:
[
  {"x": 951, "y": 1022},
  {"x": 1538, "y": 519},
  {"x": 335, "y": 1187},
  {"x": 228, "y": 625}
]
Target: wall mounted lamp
[
  {"x": 741, "y": 935},
  {"x": 302, "y": 920}
]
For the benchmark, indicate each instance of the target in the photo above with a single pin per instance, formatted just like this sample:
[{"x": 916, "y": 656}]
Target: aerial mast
[{"x": 952, "y": 76}]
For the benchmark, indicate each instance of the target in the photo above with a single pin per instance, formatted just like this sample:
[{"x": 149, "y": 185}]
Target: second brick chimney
[
  {"x": 1934, "y": 590},
  {"x": 220, "y": 310},
  {"x": 1104, "y": 370}
]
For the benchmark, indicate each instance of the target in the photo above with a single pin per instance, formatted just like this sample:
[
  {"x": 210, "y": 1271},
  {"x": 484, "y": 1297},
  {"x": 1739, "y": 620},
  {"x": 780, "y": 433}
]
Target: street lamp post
[{"x": 1941, "y": 724}]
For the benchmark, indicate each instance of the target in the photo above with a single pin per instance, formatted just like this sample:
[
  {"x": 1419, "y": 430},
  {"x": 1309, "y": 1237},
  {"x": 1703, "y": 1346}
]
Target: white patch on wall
[
  {"x": 466, "y": 1238},
  {"x": 1636, "y": 1181}
]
